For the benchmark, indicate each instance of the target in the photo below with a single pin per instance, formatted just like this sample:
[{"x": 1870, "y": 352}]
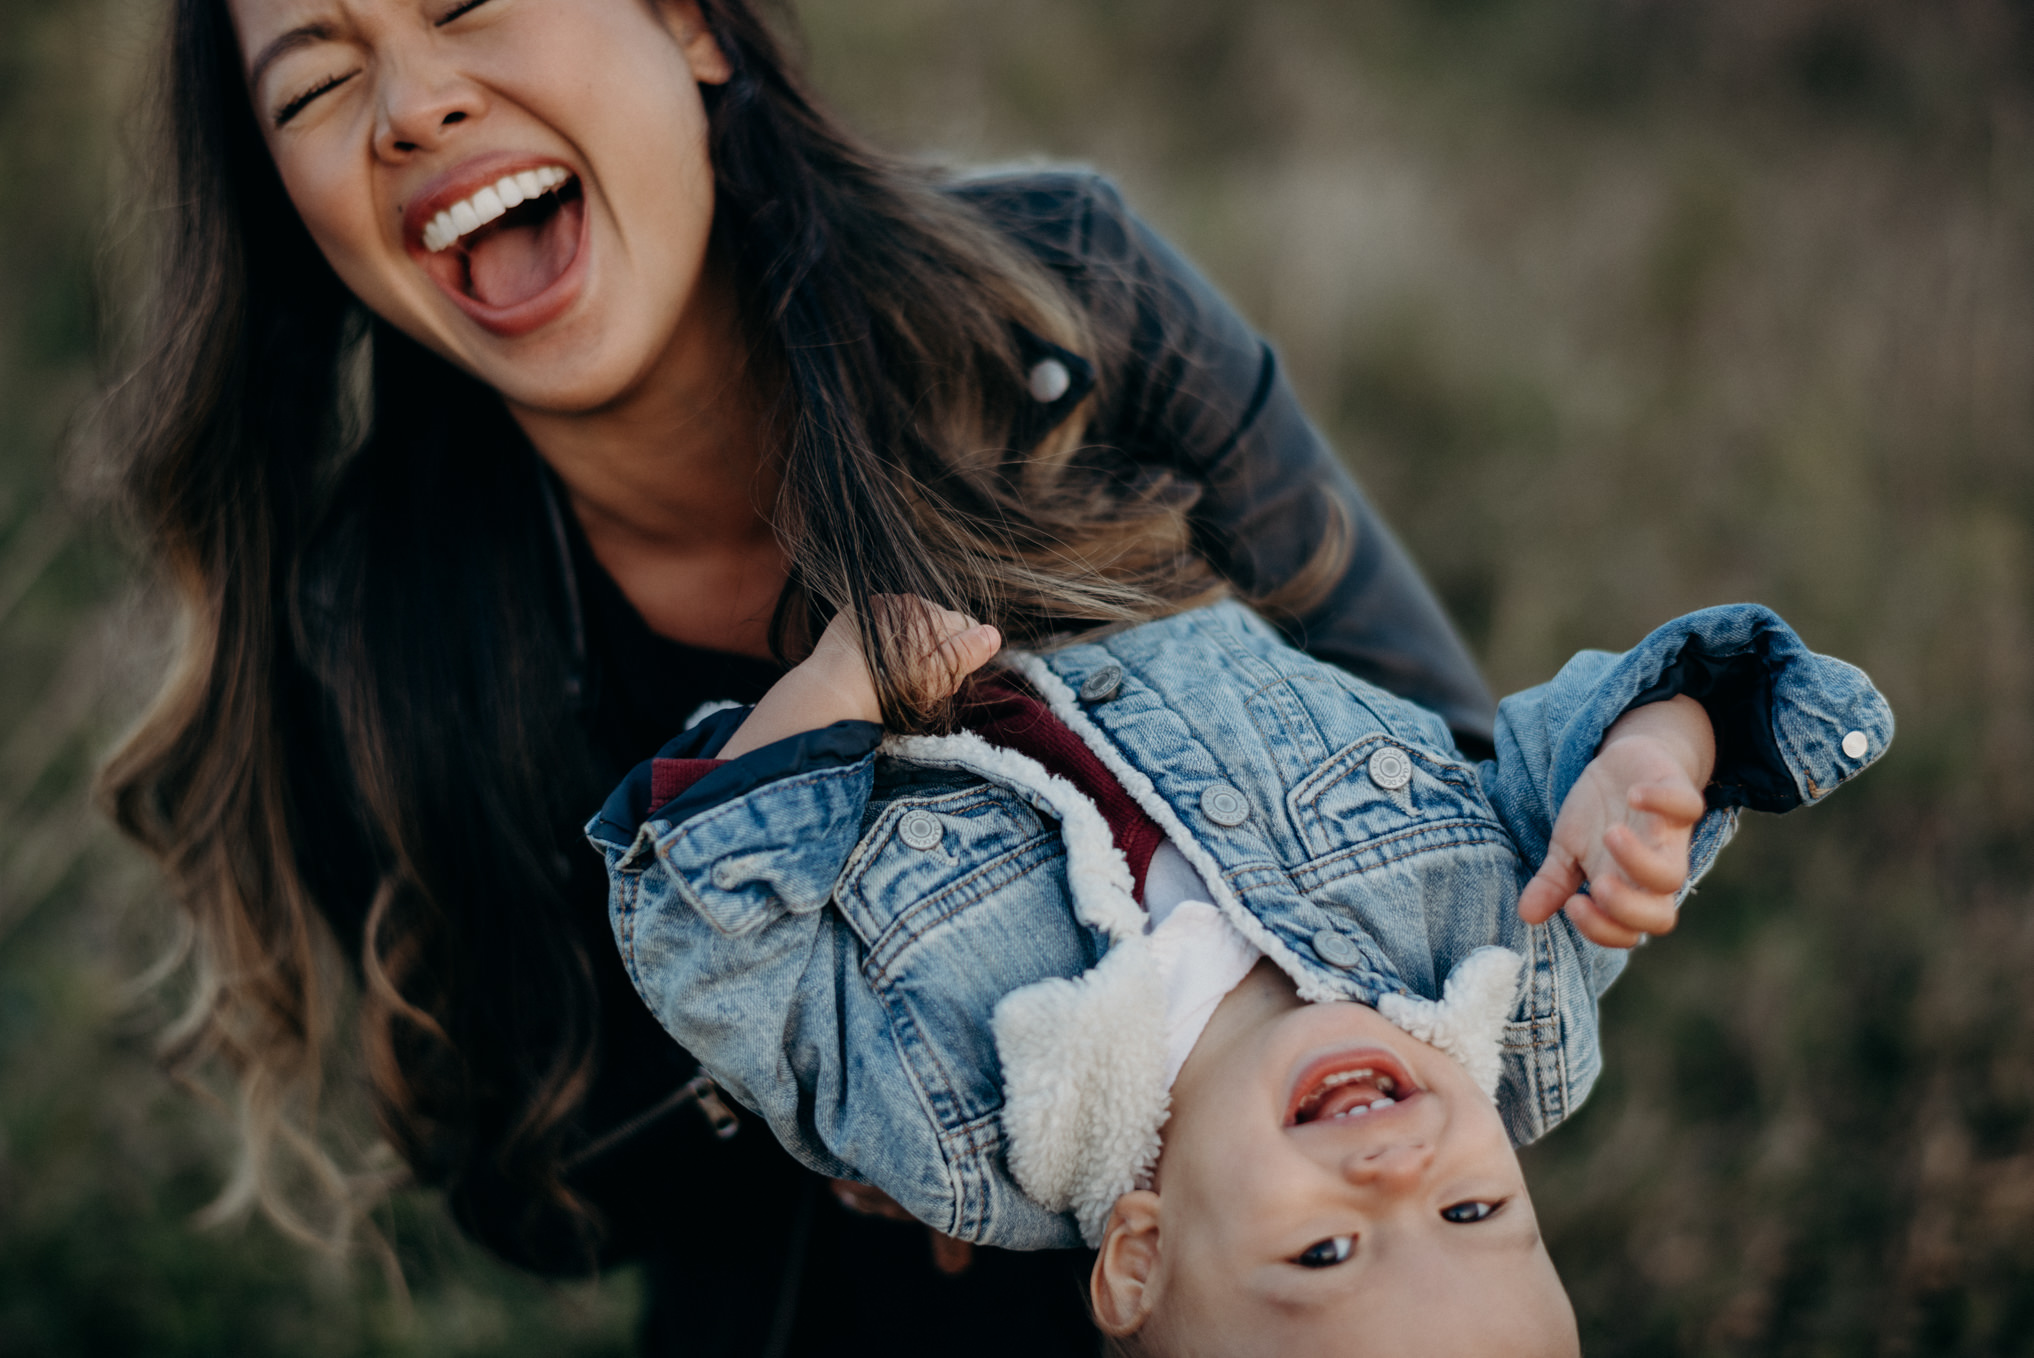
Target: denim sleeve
[
  {"x": 1814, "y": 723},
  {"x": 721, "y": 923}
]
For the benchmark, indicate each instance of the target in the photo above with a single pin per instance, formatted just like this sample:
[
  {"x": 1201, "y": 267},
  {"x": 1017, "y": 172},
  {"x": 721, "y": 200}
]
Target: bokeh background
[{"x": 1618, "y": 307}]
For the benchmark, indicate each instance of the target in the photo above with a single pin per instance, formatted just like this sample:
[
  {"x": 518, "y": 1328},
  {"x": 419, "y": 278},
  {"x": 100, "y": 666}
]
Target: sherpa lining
[{"x": 1467, "y": 1022}]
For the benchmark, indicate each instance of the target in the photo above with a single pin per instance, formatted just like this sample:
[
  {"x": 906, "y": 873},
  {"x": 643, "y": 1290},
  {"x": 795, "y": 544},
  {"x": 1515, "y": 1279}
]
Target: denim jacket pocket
[
  {"x": 923, "y": 856},
  {"x": 1381, "y": 799}
]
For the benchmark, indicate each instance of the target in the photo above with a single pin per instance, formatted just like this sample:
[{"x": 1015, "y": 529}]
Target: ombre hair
[{"x": 366, "y": 773}]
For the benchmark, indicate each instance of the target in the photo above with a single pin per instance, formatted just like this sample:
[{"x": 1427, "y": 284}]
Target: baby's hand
[
  {"x": 1625, "y": 827},
  {"x": 941, "y": 648}
]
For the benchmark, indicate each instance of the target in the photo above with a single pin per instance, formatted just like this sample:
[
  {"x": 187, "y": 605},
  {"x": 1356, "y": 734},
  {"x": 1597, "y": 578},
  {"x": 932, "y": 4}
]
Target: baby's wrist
[
  {"x": 1678, "y": 727},
  {"x": 831, "y": 688}
]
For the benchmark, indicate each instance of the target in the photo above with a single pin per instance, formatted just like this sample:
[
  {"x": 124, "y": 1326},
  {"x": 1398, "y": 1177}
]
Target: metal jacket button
[
  {"x": 1336, "y": 949},
  {"x": 1855, "y": 745},
  {"x": 1048, "y": 380},
  {"x": 1390, "y": 769},
  {"x": 1224, "y": 805},
  {"x": 1104, "y": 684},
  {"x": 920, "y": 829}
]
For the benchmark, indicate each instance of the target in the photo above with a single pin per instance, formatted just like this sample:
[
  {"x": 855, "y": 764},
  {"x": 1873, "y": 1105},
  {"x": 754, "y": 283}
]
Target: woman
[{"x": 526, "y": 374}]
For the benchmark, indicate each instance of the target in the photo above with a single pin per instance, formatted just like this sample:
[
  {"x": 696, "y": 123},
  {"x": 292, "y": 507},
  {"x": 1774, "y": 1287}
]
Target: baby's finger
[
  {"x": 1678, "y": 802},
  {"x": 967, "y": 651},
  {"x": 1598, "y": 927},
  {"x": 1640, "y": 911},
  {"x": 1552, "y": 885},
  {"x": 1653, "y": 867}
]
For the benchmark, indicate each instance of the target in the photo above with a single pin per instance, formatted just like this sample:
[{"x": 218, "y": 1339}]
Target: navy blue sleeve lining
[
  {"x": 1737, "y": 692},
  {"x": 835, "y": 746}
]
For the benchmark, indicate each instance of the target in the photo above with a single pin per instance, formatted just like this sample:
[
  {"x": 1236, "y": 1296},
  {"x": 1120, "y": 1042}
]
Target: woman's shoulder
[{"x": 1070, "y": 217}]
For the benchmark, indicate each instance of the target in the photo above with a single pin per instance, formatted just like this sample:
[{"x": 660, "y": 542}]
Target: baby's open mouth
[
  {"x": 509, "y": 241},
  {"x": 1349, "y": 1085}
]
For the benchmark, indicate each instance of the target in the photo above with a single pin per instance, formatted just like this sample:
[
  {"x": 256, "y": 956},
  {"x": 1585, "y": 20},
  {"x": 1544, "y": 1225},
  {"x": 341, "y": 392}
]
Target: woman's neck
[{"x": 673, "y": 482}]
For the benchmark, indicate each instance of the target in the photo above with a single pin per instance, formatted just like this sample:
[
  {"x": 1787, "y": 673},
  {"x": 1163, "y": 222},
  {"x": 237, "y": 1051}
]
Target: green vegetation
[{"x": 1618, "y": 308}]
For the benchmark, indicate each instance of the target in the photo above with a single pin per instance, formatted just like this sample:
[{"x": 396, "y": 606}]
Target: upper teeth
[{"x": 470, "y": 214}]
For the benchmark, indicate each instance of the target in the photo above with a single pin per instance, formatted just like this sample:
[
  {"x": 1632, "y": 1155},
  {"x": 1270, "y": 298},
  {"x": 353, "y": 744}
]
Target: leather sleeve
[{"x": 1187, "y": 385}]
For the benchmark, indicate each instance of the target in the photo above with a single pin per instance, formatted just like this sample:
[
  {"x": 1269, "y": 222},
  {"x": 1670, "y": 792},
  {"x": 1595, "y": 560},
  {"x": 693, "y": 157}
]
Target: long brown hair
[{"x": 370, "y": 735}]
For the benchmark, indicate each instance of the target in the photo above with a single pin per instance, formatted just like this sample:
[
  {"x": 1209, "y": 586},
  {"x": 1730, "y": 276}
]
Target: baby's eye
[
  {"x": 1462, "y": 1213},
  {"x": 1328, "y": 1253}
]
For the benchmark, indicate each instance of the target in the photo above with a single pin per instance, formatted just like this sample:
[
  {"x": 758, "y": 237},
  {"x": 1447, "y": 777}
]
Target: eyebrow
[{"x": 301, "y": 36}]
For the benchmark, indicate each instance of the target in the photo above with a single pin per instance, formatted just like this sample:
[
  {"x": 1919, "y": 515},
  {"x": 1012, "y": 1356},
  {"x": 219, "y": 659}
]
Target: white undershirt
[{"x": 1200, "y": 954}]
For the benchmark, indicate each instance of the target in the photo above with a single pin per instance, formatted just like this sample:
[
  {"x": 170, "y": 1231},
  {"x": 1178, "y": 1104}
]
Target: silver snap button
[
  {"x": 1336, "y": 949},
  {"x": 920, "y": 829},
  {"x": 1048, "y": 380},
  {"x": 1104, "y": 684},
  {"x": 1390, "y": 769},
  {"x": 1855, "y": 745},
  {"x": 1224, "y": 805},
  {"x": 726, "y": 877}
]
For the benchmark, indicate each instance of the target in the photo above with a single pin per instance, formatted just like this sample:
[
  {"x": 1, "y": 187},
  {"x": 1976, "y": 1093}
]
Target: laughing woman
[{"x": 525, "y": 374}]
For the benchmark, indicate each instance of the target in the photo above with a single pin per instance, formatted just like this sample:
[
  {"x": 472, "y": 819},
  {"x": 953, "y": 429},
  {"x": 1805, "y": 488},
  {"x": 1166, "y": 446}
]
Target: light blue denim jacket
[{"x": 840, "y": 947}]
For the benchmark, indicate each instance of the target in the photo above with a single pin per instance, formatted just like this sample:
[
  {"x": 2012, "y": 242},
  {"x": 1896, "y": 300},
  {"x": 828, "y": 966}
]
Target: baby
[{"x": 1181, "y": 878}]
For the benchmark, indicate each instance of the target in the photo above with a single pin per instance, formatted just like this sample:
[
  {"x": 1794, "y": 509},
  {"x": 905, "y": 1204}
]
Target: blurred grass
[{"x": 1619, "y": 307}]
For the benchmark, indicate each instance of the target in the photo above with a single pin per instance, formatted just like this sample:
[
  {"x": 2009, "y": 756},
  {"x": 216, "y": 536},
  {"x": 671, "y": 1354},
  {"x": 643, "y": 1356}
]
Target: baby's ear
[{"x": 1122, "y": 1287}]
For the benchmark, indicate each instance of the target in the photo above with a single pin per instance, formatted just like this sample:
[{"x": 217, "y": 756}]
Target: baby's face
[{"x": 1291, "y": 1221}]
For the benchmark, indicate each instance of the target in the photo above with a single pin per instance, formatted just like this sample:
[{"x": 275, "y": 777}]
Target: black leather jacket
[{"x": 747, "y": 1255}]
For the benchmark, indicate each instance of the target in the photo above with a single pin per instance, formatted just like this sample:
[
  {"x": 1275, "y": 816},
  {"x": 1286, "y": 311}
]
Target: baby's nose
[{"x": 1396, "y": 1168}]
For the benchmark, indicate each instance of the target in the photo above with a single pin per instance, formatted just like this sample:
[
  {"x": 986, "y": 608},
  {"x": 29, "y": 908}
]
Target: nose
[
  {"x": 420, "y": 101},
  {"x": 1393, "y": 1169}
]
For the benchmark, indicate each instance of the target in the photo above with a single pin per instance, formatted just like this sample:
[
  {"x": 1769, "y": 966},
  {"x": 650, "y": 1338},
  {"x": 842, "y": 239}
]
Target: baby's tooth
[
  {"x": 510, "y": 192},
  {"x": 487, "y": 205},
  {"x": 529, "y": 183},
  {"x": 464, "y": 218},
  {"x": 1381, "y": 1103}
]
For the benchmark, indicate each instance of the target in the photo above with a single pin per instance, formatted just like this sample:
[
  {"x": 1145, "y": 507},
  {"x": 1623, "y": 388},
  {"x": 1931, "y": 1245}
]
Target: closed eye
[
  {"x": 1465, "y": 1213},
  {"x": 1327, "y": 1253},
  {"x": 461, "y": 8},
  {"x": 297, "y": 104}
]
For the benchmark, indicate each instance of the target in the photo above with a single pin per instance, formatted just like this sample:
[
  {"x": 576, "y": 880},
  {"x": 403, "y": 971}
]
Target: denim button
[
  {"x": 1855, "y": 745},
  {"x": 1390, "y": 769},
  {"x": 920, "y": 829},
  {"x": 1336, "y": 949},
  {"x": 1048, "y": 380},
  {"x": 1224, "y": 805},
  {"x": 1104, "y": 684}
]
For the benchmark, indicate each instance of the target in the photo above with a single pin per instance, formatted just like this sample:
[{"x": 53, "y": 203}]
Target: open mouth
[
  {"x": 507, "y": 244},
  {"x": 1349, "y": 1085}
]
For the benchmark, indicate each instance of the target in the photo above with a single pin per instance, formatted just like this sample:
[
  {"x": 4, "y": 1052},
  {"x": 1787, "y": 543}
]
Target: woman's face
[{"x": 521, "y": 185}]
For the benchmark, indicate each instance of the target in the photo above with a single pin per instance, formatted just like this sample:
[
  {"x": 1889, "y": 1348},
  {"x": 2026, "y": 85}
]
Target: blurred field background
[{"x": 1618, "y": 307}]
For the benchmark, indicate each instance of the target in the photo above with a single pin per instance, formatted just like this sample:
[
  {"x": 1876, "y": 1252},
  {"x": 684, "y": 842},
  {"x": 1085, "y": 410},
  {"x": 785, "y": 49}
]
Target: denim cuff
[
  {"x": 1737, "y": 693},
  {"x": 628, "y": 806}
]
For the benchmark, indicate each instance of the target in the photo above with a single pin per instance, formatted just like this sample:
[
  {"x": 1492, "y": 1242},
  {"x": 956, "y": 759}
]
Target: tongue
[{"x": 512, "y": 264}]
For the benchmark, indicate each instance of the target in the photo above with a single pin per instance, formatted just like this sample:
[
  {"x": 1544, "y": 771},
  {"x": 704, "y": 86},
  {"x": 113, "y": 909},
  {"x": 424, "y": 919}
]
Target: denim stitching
[{"x": 942, "y": 905}]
